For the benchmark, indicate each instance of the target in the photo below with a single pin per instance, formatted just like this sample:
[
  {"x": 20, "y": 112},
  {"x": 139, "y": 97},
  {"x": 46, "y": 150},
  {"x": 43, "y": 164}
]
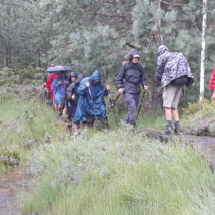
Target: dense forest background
[{"x": 98, "y": 34}]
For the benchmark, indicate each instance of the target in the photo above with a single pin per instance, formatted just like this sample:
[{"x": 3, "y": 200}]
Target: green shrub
[{"x": 17, "y": 75}]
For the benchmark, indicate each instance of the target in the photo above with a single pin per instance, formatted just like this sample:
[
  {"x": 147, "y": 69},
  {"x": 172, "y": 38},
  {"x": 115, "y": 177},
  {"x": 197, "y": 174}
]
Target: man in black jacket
[
  {"x": 65, "y": 101},
  {"x": 72, "y": 97},
  {"x": 128, "y": 81}
]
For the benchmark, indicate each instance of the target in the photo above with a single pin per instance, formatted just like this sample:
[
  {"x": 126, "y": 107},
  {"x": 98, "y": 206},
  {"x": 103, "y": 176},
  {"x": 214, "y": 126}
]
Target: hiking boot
[
  {"x": 133, "y": 124},
  {"x": 76, "y": 129},
  {"x": 83, "y": 126},
  {"x": 105, "y": 124},
  {"x": 90, "y": 121},
  {"x": 177, "y": 129},
  {"x": 169, "y": 130}
]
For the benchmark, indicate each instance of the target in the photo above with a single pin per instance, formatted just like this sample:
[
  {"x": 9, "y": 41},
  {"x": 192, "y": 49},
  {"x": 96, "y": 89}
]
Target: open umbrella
[{"x": 57, "y": 69}]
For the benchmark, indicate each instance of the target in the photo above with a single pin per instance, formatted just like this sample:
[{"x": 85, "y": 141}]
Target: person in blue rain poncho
[
  {"x": 91, "y": 104},
  {"x": 58, "y": 86}
]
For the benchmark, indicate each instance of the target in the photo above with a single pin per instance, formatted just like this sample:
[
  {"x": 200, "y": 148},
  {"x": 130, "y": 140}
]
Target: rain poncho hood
[
  {"x": 73, "y": 74},
  {"x": 96, "y": 76},
  {"x": 79, "y": 78},
  {"x": 161, "y": 50},
  {"x": 91, "y": 101}
]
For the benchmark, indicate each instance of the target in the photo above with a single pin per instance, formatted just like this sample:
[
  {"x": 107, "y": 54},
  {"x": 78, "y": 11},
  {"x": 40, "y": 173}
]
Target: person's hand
[
  {"x": 145, "y": 88},
  {"x": 120, "y": 91},
  {"x": 65, "y": 81},
  {"x": 59, "y": 82},
  {"x": 73, "y": 96},
  {"x": 87, "y": 84},
  {"x": 107, "y": 87}
]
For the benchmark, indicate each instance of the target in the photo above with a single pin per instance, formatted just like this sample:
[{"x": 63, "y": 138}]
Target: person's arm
[
  {"x": 160, "y": 68},
  {"x": 54, "y": 84},
  {"x": 119, "y": 78},
  {"x": 69, "y": 92},
  {"x": 142, "y": 78},
  {"x": 82, "y": 86},
  {"x": 106, "y": 90}
]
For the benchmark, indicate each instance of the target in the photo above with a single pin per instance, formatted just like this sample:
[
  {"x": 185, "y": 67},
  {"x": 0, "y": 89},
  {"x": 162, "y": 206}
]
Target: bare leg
[
  {"x": 64, "y": 111},
  {"x": 175, "y": 114},
  {"x": 168, "y": 113},
  {"x": 169, "y": 128},
  {"x": 58, "y": 107}
]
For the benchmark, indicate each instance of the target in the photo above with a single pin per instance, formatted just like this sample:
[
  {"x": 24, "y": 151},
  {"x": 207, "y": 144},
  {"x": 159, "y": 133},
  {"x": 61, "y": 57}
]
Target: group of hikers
[{"x": 83, "y": 97}]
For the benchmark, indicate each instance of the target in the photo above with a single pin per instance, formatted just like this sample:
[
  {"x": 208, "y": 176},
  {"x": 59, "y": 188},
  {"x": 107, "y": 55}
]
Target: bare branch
[
  {"x": 130, "y": 45},
  {"x": 164, "y": 2},
  {"x": 99, "y": 14},
  {"x": 122, "y": 35}
]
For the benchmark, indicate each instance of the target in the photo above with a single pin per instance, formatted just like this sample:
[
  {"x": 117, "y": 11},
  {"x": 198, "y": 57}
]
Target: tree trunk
[
  {"x": 202, "y": 70},
  {"x": 159, "y": 23}
]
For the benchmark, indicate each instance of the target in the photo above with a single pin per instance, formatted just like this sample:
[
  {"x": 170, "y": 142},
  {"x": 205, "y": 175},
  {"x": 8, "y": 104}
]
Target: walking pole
[
  {"x": 92, "y": 103},
  {"x": 112, "y": 105},
  {"x": 140, "y": 104},
  {"x": 113, "y": 108}
]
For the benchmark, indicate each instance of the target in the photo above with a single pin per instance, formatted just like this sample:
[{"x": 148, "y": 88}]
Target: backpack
[{"x": 183, "y": 80}]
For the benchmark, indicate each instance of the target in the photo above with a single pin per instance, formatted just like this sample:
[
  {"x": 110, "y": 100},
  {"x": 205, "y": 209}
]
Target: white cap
[{"x": 136, "y": 55}]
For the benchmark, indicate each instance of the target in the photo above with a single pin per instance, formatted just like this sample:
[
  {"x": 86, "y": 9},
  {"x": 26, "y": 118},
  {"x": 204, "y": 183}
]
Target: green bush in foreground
[{"x": 118, "y": 173}]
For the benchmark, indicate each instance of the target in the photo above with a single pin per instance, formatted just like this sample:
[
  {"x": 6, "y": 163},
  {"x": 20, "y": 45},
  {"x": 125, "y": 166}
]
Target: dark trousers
[{"x": 132, "y": 101}]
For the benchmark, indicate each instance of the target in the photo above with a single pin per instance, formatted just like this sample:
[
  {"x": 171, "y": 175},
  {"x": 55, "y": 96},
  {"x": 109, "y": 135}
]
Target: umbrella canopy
[{"x": 57, "y": 69}]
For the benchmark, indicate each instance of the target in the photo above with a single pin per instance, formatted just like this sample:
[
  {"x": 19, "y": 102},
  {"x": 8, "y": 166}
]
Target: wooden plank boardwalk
[{"x": 204, "y": 144}]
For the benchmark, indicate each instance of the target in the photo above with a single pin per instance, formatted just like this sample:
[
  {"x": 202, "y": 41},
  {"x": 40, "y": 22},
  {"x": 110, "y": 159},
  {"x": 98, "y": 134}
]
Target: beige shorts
[{"x": 171, "y": 96}]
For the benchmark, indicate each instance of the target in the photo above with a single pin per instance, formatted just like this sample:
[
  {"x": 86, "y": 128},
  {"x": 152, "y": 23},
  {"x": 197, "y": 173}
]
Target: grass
[
  {"x": 147, "y": 121},
  {"x": 19, "y": 136},
  {"x": 119, "y": 172}
]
